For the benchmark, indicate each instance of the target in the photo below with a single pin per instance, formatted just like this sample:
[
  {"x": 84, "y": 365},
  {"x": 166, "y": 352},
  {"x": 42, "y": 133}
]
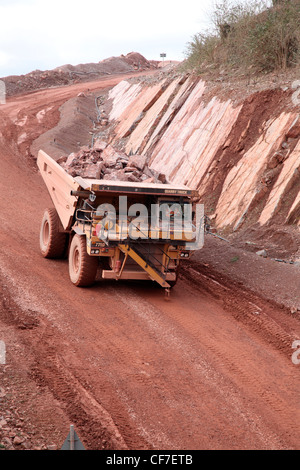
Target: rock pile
[
  {"x": 17, "y": 432},
  {"x": 102, "y": 161},
  {"x": 68, "y": 74}
]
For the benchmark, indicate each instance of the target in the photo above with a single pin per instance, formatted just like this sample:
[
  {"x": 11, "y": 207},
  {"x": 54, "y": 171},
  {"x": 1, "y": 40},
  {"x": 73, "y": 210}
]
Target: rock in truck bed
[{"x": 102, "y": 161}]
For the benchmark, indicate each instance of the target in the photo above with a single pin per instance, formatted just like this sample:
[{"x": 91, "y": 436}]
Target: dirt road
[{"x": 210, "y": 369}]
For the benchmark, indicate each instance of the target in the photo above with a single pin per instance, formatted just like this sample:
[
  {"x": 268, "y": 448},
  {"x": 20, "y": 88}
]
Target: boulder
[
  {"x": 147, "y": 180},
  {"x": 110, "y": 156},
  {"x": 99, "y": 145},
  {"x": 133, "y": 178},
  {"x": 138, "y": 161},
  {"x": 93, "y": 170},
  {"x": 71, "y": 160},
  {"x": 116, "y": 175},
  {"x": 262, "y": 253}
]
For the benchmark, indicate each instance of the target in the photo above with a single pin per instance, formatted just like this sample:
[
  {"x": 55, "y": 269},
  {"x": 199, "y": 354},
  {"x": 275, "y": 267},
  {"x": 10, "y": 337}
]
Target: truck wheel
[
  {"x": 52, "y": 239},
  {"x": 82, "y": 266}
]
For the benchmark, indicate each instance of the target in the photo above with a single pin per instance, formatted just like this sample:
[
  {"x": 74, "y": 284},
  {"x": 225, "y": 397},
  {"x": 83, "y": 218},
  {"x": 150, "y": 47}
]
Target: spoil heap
[{"x": 69, "y": 74}]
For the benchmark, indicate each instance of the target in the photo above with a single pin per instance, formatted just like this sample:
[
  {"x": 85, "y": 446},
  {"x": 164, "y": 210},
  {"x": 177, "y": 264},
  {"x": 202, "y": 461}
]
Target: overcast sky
[{"x": 44, "y": 34}]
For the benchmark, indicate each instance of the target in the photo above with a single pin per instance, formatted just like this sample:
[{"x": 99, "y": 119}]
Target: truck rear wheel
[
  {"x": 82, "y": 266},
  {"x": 52, "y": 238}
]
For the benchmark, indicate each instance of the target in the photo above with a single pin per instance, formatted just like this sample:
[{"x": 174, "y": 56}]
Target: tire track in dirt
[
  {"x": 169, "y": 340},
  {"x": 243, "y": 306},
  {"x": 94, "y": 422},
  {"x": 246, "y": 307},
  {"x": 61, "y": 372},
  {"x": 233, "y": 362},
  {"x": 50, "y": 370},
  {"x": 232, "y": 390}
]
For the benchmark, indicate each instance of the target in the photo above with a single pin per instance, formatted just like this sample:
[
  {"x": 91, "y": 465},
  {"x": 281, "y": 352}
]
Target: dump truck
[{"x": 118, "y": 229}]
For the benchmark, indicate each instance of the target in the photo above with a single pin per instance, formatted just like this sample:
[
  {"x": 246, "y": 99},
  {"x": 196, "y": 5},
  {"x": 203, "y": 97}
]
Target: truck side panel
[{"x": 59, "y": 185}]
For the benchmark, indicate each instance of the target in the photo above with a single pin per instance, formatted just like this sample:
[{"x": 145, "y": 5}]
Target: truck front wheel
[
  {"x": 82, "y": 266},
  {"x": 52, "y": 238}
]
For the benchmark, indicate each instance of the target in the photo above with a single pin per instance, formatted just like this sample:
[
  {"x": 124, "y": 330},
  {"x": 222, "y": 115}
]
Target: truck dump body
[{"x": 141, "y": 230}]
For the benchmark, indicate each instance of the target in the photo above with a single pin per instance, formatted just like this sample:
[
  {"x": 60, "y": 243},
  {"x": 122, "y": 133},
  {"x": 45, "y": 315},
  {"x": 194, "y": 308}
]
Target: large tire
[
  {"x": 52, "y": 238},
  {"x": 82, "y": 266}
]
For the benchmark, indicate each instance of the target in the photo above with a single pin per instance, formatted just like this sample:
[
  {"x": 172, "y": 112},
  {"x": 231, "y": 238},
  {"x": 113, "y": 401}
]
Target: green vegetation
[{"x": 258, "y": 34}]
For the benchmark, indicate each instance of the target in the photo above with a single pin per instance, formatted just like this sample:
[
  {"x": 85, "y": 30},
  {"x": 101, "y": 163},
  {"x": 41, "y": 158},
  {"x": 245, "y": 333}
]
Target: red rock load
[{"x": 102, "y": 161}]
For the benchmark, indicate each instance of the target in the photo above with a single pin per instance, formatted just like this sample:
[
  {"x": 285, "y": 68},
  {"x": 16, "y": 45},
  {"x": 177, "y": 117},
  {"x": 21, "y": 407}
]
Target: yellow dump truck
[{"x": 118, "y": 230}]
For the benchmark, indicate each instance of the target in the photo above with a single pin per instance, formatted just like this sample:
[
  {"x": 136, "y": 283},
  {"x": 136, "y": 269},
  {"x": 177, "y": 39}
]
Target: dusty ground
[{"x": 211, "y": 369}]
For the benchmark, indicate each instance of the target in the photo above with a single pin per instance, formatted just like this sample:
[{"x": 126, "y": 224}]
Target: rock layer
[{"x": 240, "y": 156}]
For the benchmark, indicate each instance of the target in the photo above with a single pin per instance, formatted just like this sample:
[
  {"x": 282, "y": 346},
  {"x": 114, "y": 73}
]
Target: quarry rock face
[
  {"x": 246, "y": 179},
  {"x": 290, "y": 173},
  {"x": 243, "y": 157}
]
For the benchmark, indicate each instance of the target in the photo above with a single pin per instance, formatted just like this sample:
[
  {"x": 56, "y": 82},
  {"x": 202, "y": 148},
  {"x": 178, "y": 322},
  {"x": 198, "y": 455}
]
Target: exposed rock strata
[{"x": 240, "y": 156}]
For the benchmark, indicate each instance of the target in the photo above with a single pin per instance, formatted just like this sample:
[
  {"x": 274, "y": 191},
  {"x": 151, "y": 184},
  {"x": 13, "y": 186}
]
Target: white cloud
[{"x": 40, "y": 34}]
